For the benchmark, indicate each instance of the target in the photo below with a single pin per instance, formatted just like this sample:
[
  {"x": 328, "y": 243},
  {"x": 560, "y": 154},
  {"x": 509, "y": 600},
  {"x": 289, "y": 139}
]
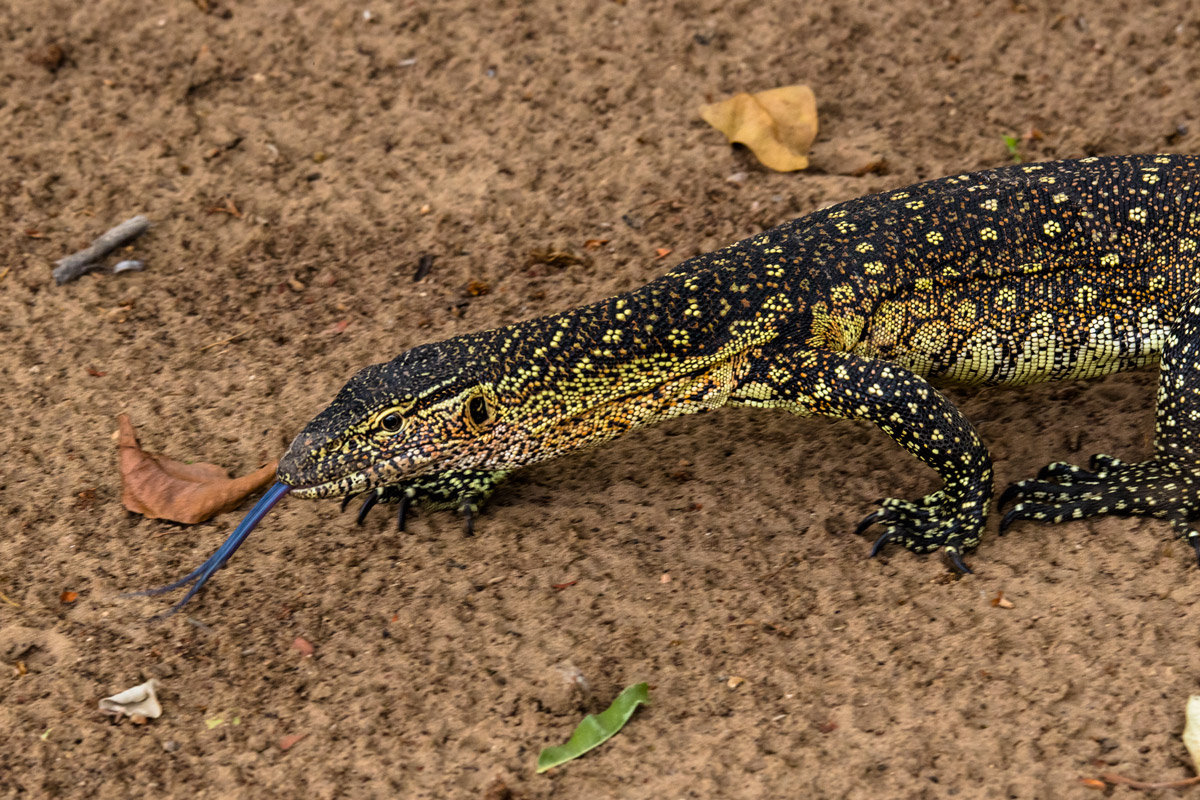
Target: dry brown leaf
[
  {"x": 68, "y": 597},
  {"x": 291, "y": 740},
  {"x": 778, "y": 125},
  {"x": 161, "y": 488},
  {"x": 304, "y": 647}
]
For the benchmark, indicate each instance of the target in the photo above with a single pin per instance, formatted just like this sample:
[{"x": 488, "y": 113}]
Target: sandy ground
[{"x": 489, "y": 137}]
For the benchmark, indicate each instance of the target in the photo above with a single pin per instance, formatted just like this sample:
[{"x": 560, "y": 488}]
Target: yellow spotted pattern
[{"x": 1026, "y": 273}]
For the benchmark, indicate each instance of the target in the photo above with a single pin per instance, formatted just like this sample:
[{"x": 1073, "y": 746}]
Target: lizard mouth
[
  {"x": 307, "y": 478},
  {"x": 355, "y": 483}
]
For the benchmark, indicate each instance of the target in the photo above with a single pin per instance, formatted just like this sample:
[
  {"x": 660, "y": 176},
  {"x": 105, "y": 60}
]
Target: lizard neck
[{"x": 585, "y": 376}]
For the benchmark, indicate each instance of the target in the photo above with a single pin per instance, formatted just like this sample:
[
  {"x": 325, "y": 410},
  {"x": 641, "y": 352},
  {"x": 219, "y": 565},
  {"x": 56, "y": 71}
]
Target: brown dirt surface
[{"x": 298, "y": 160}]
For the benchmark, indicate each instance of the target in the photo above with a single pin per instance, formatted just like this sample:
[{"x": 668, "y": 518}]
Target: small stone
[{"x": 49, "y": 57}]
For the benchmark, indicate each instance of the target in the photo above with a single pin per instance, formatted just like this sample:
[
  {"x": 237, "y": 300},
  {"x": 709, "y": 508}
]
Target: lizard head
[
  {"x": 427, "y": 409},
  {"x": 430, "y": 409}
]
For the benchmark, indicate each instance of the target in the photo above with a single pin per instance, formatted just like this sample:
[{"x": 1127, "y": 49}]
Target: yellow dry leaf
[{"x": 778, "y": 125}]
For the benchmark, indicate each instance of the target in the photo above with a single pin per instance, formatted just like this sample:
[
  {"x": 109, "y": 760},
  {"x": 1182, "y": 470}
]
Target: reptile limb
[
  {"x": 467, "y": 491},
  {"x": 909, "y": 410},
  {"x": 1165, "y": 486}
]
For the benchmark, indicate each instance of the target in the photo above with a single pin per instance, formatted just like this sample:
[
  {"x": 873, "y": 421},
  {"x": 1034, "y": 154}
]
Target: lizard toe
[
  {"x": 1102, "y": 464},
  {"x": 956, "y": 560},
  {"x": 1041, "y": 512},
  {"x": 882, "y": 515},
  {"x": 884, "y": 538},
  {"x": 366, "y": 507},
  {"x": 1058, "y": 470}
]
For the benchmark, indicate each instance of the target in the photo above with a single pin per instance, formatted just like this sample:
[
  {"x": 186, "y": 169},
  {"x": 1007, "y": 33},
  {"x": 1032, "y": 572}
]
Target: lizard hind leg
[{"x": 1165, "y": 486}]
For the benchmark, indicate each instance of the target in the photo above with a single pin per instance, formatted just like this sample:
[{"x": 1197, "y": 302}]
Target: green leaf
[
  {"x": 596, "y": 728},
  {"x": 1013, "y": 145}
]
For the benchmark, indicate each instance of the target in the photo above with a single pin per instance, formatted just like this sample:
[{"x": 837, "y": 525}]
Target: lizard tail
[{"x": 201, "y": 574}]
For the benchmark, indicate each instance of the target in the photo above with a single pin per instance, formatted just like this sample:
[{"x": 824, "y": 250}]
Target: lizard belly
[{"x": 1021, "y": 330}]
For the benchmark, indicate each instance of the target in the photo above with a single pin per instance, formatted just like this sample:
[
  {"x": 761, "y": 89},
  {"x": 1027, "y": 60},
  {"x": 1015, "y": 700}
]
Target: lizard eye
[
  {"x": 478, "y": 411},
  {"x": 391, "y": 422}
]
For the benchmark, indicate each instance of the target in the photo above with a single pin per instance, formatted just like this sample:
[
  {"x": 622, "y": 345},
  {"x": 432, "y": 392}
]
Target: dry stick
[
  {"x": 1112, "y": 777},
  {"x": 9, "y": 600},
  {"x": 231, "y": 339},
  {"x": 85, "y": 260}
]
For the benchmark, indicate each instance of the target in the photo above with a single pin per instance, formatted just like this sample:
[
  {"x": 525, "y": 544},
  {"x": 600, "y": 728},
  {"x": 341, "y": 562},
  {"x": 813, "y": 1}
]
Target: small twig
[
  {"x": 85, "y": 260},
  {"x": 229, "y": 208},
  {"x": 9, "y": 600},
  {"x": 424, "y": 265},
  {"x": 1112, "y": 777},
  {"x": 4, "y": 273},
  {"x": 230, "y": 340}
]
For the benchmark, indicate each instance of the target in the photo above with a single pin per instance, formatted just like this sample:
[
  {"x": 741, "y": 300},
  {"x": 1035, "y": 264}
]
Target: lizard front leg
[
  {"x": 466, "y": 491},
  {"x": 909, "y": 410}
]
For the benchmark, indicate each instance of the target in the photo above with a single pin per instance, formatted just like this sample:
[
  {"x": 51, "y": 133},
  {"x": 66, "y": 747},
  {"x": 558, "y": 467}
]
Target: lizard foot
[
  {"x": 935, "y": 522},
  {"x": 1161, "y": 487},
  {"x": 467, "y": 492}
]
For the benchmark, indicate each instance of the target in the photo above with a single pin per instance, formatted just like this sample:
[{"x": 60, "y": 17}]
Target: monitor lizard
[{"x": 1016, "y": 275}]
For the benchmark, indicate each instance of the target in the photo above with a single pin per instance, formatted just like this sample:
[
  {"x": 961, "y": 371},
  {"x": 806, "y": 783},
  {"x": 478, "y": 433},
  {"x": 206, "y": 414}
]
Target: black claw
[
  {"x": 1195, "y": 542},
  {"x": 881, "y": 541},
  {"x": 469, "y": 518},
  {"x": 870, "y": 519},
  {"x": 1012, "y": 516},
  {"x": 367, "y": 505},
  {"x": 956, "y": 559},
  {"x": 402, "y": 514},
  {"x": 1011, "y": 492},
  {"x": 346, "y": 501}
]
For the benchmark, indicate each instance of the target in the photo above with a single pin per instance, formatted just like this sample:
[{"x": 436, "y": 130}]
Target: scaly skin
[{"x": 1027, "y": 273}]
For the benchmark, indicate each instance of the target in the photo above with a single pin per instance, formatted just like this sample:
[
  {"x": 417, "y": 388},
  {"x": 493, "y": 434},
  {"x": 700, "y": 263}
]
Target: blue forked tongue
[{"x": 201, "y": 574}]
